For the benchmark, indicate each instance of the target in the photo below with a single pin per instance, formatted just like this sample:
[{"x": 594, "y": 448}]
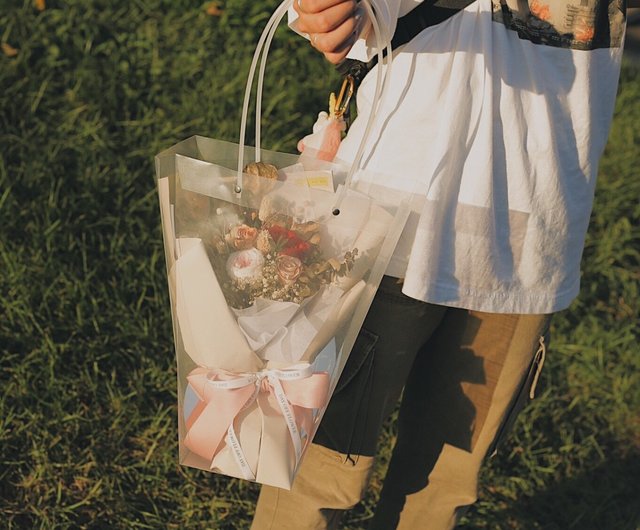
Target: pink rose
[
  {"x": 245, "y": 266},
  {"x": 289, "y": 268},
  {"x": 242, "y": 237}
]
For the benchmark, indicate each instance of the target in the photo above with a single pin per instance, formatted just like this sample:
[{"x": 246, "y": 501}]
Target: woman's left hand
[{"x": 333, "y": 26}]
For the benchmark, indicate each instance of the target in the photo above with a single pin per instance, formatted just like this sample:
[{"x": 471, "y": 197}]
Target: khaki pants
[{"x": 465, "y": 376}]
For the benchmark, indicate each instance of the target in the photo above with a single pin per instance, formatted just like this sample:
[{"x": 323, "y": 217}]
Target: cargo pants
[{"x": 465, "y": 376}]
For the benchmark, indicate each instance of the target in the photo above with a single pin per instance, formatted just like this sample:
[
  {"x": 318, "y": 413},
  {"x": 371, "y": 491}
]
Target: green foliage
[{"x": 87, "y": 376}]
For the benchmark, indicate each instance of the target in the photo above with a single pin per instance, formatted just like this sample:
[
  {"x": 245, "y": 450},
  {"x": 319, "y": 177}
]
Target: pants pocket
[
  {"x": 343, "y": 426},
  {"x": 526, "y": 392}
]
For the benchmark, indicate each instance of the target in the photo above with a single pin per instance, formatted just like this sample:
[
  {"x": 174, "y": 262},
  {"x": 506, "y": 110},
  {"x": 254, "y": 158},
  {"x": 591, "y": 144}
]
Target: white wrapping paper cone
[
  {"x": 339, "y": 316},
  {"x": 209, "y": 330},
  {"x": 282, "y": 331},
  {"x": 185, "y": 244},
  {"x": 266, "y": 445}
]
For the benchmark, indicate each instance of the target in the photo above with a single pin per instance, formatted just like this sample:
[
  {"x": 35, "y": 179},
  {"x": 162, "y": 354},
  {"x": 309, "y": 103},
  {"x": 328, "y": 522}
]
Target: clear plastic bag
[{"x": 271, "y": 272}]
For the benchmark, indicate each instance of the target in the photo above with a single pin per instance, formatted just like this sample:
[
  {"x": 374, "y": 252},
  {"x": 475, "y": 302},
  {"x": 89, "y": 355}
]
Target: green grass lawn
[{"x": 90, "y": 91}]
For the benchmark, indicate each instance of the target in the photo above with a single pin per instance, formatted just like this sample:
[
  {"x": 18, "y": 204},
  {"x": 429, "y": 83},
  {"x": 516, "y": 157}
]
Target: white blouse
[{"x": 497, "y": 118}]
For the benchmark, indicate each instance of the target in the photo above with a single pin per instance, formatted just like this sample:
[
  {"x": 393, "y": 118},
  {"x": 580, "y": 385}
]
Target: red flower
[{"x": 290, "y": 243}]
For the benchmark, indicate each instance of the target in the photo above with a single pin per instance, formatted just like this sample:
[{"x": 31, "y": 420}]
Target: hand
[{"x": 332, "y": 25}]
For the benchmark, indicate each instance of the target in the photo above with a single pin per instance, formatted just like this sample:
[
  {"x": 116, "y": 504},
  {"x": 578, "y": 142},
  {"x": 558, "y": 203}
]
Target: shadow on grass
[{"x": 603, "y": 498}]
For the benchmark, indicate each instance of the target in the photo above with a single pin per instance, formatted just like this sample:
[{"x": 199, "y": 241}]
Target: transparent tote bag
[{"x": 272, "y": 266}]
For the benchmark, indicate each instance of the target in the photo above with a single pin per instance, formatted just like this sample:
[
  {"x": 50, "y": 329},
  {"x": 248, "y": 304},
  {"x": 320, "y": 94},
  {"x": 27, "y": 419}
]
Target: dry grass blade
[{"x": 9, "y": 50}]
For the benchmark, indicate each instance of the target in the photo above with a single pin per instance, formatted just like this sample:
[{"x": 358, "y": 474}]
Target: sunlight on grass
[{"x": 88, "y": 431}]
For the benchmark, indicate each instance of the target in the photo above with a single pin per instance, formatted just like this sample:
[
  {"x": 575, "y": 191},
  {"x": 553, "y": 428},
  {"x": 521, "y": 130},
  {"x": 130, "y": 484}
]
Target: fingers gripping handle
[{"x": 262, "y": 50}]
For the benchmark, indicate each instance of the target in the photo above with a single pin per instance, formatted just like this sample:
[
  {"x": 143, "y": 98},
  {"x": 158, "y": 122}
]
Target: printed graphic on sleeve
[{"x": 577, "y": 24}]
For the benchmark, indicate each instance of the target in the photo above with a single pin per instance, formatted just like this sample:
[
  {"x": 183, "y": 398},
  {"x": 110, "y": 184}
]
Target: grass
[{"x": 88, "y": 430}]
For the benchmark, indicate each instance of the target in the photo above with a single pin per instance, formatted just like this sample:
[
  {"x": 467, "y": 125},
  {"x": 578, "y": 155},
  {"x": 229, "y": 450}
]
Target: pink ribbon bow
[{"x": 223, "y": 395}]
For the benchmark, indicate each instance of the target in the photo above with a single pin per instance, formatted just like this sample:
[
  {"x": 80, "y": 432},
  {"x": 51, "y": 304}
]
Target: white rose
[{"x": 245, "y": 266}]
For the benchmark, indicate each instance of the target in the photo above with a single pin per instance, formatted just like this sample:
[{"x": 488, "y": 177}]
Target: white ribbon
[{"x": 273, "y": 378}]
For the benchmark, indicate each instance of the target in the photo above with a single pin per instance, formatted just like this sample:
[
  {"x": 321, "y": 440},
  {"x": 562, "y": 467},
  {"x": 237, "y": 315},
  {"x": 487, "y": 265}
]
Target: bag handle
[{"x": 264, "y": 43}]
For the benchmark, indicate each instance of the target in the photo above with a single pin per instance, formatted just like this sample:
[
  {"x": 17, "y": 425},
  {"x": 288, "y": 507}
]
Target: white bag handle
[{"x": 264, "y": 43}]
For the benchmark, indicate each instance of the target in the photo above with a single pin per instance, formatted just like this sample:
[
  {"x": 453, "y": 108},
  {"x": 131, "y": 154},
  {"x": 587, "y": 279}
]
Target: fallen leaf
[
  {"x": 214, "y": 10},
  {"x": 40, "y": 5},
  {"x": 9, "y": 50}
]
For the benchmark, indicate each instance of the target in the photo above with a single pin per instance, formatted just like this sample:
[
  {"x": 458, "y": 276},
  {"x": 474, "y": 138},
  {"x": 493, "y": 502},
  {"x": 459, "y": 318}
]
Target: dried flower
[
  {"x": 242, "y": 237},
  {"x": 261, "y": 169},
  {"x": 264, "y": 242},
  {"x": 276, "y": 219},
  {"x": 273, "y": 258},
  {"x": 244, "y": 267},
  {"x": 288, "y": 268},
  {"x": 289, "y": 242}
]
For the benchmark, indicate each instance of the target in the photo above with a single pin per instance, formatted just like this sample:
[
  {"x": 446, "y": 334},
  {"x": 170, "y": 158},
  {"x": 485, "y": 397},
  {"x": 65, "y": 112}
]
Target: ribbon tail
[
  {"x": 233, "y": 442},
  {"x": 289, "y": 417},
  {"x": 208, "y": 425},
  {"x": 276, "y": 460}
]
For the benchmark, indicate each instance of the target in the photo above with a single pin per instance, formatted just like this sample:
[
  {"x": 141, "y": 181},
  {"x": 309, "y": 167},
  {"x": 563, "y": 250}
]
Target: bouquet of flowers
[{"x": 271, "y": 256}]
